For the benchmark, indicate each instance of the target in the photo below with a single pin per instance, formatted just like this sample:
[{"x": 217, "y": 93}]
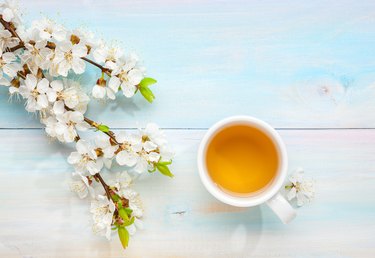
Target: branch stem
[
  {"x": 104, "y": 70},
  {"x": 104, "y": 184},
  {"x": 10, "y": 27},
  {"x": 96, "y": 125}
]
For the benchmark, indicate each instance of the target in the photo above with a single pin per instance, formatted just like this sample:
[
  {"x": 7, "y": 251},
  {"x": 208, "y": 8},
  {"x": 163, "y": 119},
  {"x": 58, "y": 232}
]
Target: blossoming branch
[{"x": 36, "y": 64}]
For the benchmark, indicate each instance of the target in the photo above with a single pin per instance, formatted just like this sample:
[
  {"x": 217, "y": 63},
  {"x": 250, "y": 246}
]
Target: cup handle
[{"x": 282, "y": 208}]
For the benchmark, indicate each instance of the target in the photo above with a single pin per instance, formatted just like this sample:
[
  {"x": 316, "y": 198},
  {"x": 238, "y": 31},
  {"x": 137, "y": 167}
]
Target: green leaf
[
  {"x": 164, "y": 170},
  {"x": 147, "y": 93},
  {"x": 147, "y": 82},
  {"x": 103, "y": 128},
  {"x": 123, "y": 234},
  {"x": 143, "y": 87}
]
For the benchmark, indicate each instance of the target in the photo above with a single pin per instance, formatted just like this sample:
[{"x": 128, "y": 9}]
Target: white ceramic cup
[{"x": 270, "y": 194}]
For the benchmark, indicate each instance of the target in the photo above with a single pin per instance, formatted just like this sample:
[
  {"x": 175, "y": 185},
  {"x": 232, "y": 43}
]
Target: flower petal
[
  {"x": 7, "y": 14},
  {"x": 82, "y": 147},
  {"x": 57, "y": 85},
  {"x": 149, "y": 146},
  {"x": 78, "y": 65},
  {"x": 31, "y": 81},
  {"x": 135, "y": 76},
  {"x": 126, "y": 158},
  {"x": 58, "y": 107},
  {"x": 291, "y": 194},
  {"x": 74, "y": 158},
  {"x": 128, "y": 90},
  {"x": 131, "y": 229},
  {"x": 43, "y": 85},
  {"x": 114, "y": 83},
  {"x": 42, "y": 101},
  {"x": 79, "y": 50},
  {"x": 98, "y": 92},
  {"x": 141, "y": 166}
]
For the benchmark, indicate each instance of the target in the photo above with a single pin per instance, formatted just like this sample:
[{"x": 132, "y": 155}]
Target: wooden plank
[
  {"x": 39, "y": 217},
  {"x": 293, "y": 64}
]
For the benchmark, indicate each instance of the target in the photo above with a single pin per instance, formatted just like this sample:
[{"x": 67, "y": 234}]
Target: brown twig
[
  {"x": 19, "y": 46},
  {"x": 104, "y": 184},
  {"x": 94, "y": 124},
  {"x": 110, "y": 134},
  {"x": 10, "y": 27},
  {"x": 104, "y": 70}
]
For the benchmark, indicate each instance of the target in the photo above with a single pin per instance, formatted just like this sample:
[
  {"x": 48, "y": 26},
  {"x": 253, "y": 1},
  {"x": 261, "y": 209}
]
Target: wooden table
[{"x": 307, "y": 68}]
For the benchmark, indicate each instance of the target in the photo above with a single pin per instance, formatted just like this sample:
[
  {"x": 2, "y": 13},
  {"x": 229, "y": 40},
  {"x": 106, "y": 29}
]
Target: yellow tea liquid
[{"x": 241, "y": 159}]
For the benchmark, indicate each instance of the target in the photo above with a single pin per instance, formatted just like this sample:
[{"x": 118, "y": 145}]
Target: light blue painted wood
[
  {"x": 39, "y": 217},
  {"x": 293, "y": 64}
]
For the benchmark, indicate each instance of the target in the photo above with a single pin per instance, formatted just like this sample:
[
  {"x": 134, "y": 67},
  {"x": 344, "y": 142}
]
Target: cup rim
[{"x": 242, "y": 201}]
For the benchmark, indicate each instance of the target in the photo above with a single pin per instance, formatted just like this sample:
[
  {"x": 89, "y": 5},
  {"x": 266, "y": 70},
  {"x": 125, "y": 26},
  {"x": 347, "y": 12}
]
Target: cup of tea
[{"x": 242, "y": 161}]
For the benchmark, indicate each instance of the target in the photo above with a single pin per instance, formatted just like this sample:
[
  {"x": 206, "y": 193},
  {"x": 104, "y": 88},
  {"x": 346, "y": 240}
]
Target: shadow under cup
[{"x": 244, "y": 161}]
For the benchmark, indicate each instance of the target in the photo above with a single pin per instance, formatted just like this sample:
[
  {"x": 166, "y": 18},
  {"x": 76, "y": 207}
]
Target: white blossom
[
  {"x": 126, "y": 75},
  {"x": 101, "y": 90},
  {"x": 68, "y": 56},
  {"x": 81, "y": 186},
  {"x": 153, "y": 132},
  {"x": 73, "y": 96},
  {"x": 86, "y": 37},
  {"x": 157, "y": 136},
  {"x": 10, "y": 11},
  {"x": 122, "y": 180},
  {"x": 50, "y": 122},
  {"x": 108, "y": 56},
  {"x": 102, "y": 210},
  {"x": 68, "y": 123},
  {"x": 140, "y": 152},
  {"x": 35, "y": 93},
  {"x": 7, "y": 40},
  {"x": 61, "y": 95},
  {"x": 135, "y": 204},
  {"x": 8, "y": 64},
  {"x": 50, "y": 30},
  {"x": 102, "y": 143},
  {"x": 300, "y": 188},
  {"x": 85, "y": 159},
  {"x": 55, "y": 96},
  {"x": 130, "y": 144},
  {"x": 37, "y": 55}
]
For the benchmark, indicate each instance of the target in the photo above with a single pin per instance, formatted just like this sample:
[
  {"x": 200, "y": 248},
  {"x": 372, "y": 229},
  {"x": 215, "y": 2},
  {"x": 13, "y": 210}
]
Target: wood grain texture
[
  {"x": 281, "y": 62},
  {"x": 39, "y": 217},
  {"x": 295, "y": 64}
]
